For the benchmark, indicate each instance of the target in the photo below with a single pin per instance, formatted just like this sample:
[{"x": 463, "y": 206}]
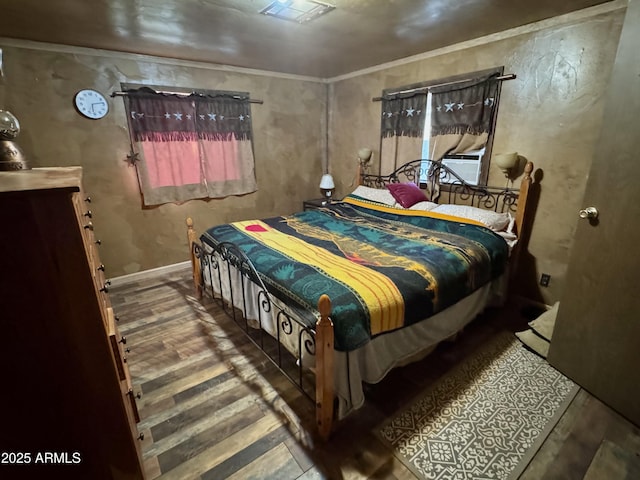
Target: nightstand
[{"x": 316, "y": 203}]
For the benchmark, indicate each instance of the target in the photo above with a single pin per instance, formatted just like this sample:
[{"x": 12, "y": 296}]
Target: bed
[{"x": 338, "y": 296}]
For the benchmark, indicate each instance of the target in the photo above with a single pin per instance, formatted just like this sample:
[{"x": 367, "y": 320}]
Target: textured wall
[
  {"x": 550, "y": 114},
  {"x": 289, "y": 145}
]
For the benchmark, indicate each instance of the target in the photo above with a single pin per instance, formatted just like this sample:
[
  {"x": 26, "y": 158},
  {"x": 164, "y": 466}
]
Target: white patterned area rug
[{"x": 486, "y": 419}]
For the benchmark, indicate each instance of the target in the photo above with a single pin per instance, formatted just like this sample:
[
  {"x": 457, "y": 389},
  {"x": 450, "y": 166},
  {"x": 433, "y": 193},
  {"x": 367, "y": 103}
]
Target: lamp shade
[
  {"x": 326, "y": 182},
  {"x": 11, "y": 155},
  {"x": 505, "y": 161},
  {"x": 9, "y": 126},
  {"x": 364, "y": 154}
]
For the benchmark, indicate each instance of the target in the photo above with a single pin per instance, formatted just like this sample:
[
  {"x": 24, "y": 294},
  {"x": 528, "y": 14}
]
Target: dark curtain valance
[
  {"x": 465, "y": 107},
  {"x": 166, "y": 117},
  {"x": 404, "y": 116}
]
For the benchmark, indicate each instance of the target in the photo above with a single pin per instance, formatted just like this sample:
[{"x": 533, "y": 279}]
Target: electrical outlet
[{"x": 544, "y": 279}]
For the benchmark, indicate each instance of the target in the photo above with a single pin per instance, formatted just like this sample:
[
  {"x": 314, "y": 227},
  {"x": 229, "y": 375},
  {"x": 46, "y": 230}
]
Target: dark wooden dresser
[{"x": 67, "y": 402}]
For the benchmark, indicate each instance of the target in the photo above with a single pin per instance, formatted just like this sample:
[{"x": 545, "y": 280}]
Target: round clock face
[{"x": 91, "y": 104}]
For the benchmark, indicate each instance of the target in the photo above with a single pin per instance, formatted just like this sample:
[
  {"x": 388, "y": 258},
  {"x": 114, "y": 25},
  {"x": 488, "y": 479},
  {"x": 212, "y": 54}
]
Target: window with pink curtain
[{"x": 191, "y": 146}]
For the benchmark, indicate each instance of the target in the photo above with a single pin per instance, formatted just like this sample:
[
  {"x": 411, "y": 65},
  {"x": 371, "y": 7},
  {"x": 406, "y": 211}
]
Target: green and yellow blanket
[{"x": 383, "y": 268}]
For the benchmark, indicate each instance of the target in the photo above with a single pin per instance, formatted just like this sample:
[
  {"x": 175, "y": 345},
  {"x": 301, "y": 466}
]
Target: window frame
[
  {"x": 485, "y": 162},
  {"x": 208, "y": 186}
]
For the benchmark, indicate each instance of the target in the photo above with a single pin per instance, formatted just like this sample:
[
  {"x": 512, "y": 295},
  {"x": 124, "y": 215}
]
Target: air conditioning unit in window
[{"x": 466, "y": 166}]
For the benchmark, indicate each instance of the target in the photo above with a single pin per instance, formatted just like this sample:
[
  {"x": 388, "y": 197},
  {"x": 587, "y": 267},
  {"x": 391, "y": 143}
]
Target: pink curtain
[
  {"x": 172, "y": 164},
  {"x": 220, "y": 159}
]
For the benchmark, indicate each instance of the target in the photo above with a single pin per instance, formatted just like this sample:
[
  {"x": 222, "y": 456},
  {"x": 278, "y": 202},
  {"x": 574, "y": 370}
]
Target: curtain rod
[
  {"x": 124, "y": 94},
  {"x": 509, "y": 76}
]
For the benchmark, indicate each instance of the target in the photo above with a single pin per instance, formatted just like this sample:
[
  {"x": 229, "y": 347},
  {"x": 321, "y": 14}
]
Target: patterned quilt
[{"x": 383, "y": 268}]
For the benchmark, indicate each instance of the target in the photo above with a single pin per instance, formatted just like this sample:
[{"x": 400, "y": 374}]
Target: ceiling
[{"x": 355, "y": 35}]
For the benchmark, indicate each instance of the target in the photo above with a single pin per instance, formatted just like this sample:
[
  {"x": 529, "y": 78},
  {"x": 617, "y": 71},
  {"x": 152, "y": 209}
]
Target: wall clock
[{"x": 91, "y": 103}]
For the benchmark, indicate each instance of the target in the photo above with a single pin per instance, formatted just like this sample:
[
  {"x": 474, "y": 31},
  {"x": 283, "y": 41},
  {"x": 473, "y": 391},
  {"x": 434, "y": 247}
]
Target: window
[
  {"x": 467, "y": 165},
  {"x": 190, "y": 145},
  {"x": 459, "y": 115}
]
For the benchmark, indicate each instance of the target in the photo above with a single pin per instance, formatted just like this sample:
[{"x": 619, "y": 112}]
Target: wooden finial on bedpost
[
  {"x": 521, "y": 213},
  {"x": 522, "y": 196},
  {"x": 195, "y": 262},
  {"x": 324, "y": 368}
]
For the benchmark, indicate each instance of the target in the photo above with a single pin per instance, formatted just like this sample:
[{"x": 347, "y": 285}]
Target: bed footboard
[{"x": 226, "y": 275}]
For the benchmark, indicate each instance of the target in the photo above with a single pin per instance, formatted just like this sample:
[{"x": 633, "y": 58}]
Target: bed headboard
[{"x": 453, "y": 189}]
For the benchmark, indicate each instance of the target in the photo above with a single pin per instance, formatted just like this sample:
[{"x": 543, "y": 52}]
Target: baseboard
[{"x": 134, "y": 277}]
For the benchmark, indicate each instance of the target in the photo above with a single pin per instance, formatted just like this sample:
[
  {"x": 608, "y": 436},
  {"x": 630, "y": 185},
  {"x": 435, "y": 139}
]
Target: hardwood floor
[{"x": 213, "y": 407}]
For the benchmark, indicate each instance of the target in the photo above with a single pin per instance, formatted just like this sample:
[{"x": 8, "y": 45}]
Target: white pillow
[
  {"x": 495, "y": 221},
  {"x": 426, "y": 206},
  {"x": 375, "y": 195}
]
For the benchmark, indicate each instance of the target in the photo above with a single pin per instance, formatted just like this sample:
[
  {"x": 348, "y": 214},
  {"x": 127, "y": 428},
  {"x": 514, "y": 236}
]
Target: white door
[{"x": 596, "y": 341}]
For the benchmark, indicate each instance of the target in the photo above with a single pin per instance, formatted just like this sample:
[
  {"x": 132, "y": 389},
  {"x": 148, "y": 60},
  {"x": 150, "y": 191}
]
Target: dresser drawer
[
  {"x": 85, "y": 220},
  {"x": 117, "y": 342},
  {"x": 118, "y": 345},
  {"x": 132, "y": 409}
]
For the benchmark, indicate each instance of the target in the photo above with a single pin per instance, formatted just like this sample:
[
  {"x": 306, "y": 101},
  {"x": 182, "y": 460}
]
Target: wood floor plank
[
  {"x": 156, "y": 408},
  {"x": 156, "y": 371},
  {"x": 213, "y": 384},
  {"x": 298, "y": 451},
  {"x": 613, "y": 462},
  {"x": 250, "y": 453},
  {"x": 182, "y": 384},
  {"x": 203, "y": 424},
  {"x": 276, "y": 464},
  {"x": 215, "y": 455},
  {"x": 576, "y": 453},
  {"x": 153, "y": 319},
  {"x": 368, "y": 458},
  {"x": 198, "y": 442},
  {"x": 167, "y": 378},
  {"x": 189, "y": 402},
  {"x": 151, "y": 468},
  {"x": 313, "y": 474},
  {"x": 188, "y": 416},
  {"x": 173, "y": 333}
]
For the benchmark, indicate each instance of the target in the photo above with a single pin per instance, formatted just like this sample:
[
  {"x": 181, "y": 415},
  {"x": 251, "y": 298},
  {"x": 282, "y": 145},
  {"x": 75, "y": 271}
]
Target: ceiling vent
[{"x": 300, "y": 11}]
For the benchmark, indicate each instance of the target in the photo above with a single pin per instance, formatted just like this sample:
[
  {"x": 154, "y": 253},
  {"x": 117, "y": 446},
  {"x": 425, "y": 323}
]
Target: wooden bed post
[
  {"x": 521, "y": 216},
  {"x": 195, "y": 262},
  {"x": 324, "y": 368}
]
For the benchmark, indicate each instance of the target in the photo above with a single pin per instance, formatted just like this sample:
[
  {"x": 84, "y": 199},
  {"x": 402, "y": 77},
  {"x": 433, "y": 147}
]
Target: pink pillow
[{"x": 407, "y": 194}]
